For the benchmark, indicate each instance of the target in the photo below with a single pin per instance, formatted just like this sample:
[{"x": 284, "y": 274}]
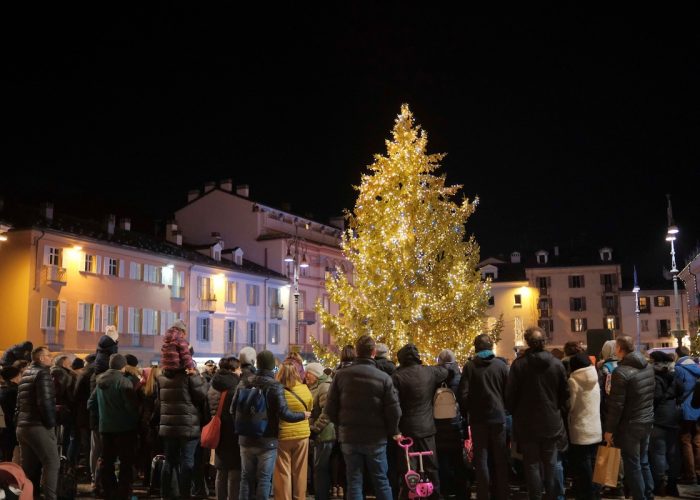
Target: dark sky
[{"x": 571, "y": 131}]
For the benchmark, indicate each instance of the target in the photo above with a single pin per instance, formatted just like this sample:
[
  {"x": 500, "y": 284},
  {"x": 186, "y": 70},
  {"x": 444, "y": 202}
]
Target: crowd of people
[{"x": 291, "y": 428}]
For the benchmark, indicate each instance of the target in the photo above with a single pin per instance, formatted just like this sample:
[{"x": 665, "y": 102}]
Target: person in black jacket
[
  {"x": 482, "y": 392},
  {"x": 64, "y": 385},
  {"x": 416, "y": 385},
  {"x": 258, "y": 454},
  {"x": 227, "y": 457},
  {"x": 8, "y": 402},
  {"x": 630, "y": 416},
  {"x": 663, "y": 446},
  {"x": 363, "y": 405},
  {"x": 36, "y": 422},
  {"x": 17, "y": 352},
  {"x": 83, "y": 421},
  {"x": 106, "y": 346},
  {"x": 536, "y": 394},
  {"x": 383, "y": 362}
]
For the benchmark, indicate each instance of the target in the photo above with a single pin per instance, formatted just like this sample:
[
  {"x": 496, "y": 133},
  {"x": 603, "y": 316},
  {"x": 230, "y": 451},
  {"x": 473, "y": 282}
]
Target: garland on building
[{"x": 414, "y": 273}]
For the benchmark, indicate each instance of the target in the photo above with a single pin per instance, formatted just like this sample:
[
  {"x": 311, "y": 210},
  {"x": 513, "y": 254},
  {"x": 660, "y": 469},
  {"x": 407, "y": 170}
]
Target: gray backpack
[{"x": 444, "y": 403}]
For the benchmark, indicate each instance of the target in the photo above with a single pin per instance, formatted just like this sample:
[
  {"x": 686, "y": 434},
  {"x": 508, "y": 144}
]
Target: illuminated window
[
  {"x": 55, "y": 256},
  {"x": 87, "y": 318},
  {"x": 662, "y": 301},
  {"x": 611, "y": 323},
  {"x": 644, "y": 305},
  {"x": 90, "y": 263},
  {"x": 253, "y": 295},
  {"x": 231, "y": 292},
  {"x": 579, "y": 324}
]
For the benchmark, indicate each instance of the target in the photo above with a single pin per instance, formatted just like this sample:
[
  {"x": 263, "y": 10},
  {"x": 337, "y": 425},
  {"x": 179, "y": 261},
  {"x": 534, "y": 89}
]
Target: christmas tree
[{"x": 414, "y": 274}]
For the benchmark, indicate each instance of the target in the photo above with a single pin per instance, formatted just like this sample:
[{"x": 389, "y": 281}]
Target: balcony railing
[
  {"x": 207, "y": 304},
  {"x": 276, "y": 311},
  {"x": 307, "y": 317},
  {"x": 54, "y": 274},
  {"x": 54, "y": 339}
]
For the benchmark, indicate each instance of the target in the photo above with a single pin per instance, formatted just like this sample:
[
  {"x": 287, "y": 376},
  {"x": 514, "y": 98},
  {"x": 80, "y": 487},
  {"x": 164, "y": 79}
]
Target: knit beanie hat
[
  {"x": 266, "y": 360},
  {"x": 180, "y": 325},
  {"x": 579, "y": 361},
  {"x": 315, "y": 369},
  {"x": 381, "y": 350},
  {"x": 446, "y": 356},
  {"x": 77, "y": 364},
  {"x": 131, "y": 360},
  {"x": 608, "y": 350},
  {"x": 247, "y": 356},
  {"x": 117, "y": 361},
  {"x": 111, "y": 332}
]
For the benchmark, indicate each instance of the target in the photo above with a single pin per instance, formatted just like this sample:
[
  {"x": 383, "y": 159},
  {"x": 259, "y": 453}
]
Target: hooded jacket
[
  {"x": 36, "y": 401},
  {"x": 106, "y": 346},
  {"x": 584, "y": 407},
  {"x": 482, "y": 390},
  {"x": 415, "y": 384},
  {"x": 319, "y": 421},
  {"x": 115, "y": 401},
  {"x": 228, "y": 453},
  {"x": 688, "y": 372},
  {"x": 668, "y": 394},
  {"x": 175, "y": 351},
  {"x": 179, "y": 396},
  {"x": 16, "y": 352},
  {"x": 631, "y": 399},
  {"x": 386, "y": 365},
  {"x": 362, "y": 404},
  {"x": 536, "y": 394}
]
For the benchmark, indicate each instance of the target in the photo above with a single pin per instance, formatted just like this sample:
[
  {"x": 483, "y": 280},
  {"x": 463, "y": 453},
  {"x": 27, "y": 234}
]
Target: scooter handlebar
[{"x": 405, "y": 442}]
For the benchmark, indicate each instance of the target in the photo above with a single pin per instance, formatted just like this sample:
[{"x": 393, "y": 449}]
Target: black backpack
[{"x": 250, "y": 407}]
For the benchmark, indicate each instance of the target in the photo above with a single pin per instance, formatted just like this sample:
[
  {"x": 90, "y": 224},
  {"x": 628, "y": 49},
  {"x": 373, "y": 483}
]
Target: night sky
[{"x": 571, "y": 131}]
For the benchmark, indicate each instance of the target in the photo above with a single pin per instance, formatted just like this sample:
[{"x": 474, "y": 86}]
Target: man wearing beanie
[
  {"x": 115, "y": 401},
  {"x": 322, "y": 429},
  {"x": 258, "y": 454},
  {"x": 382, "y": 359},
  {"x": 247, "y": 358}
]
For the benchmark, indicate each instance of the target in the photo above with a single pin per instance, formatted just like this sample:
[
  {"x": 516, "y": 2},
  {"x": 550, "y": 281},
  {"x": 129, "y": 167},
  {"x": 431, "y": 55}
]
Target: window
[
  {"x": 518, "y": 327},
  {"x": 544, "y": 304},
  {"x": 489, "y": 276},
  {"x": 204, "y": 329},
  {"x": 517, "y": 300},
  {"x": 231, "y": 292},
  {"x": 274, "y": 300},
  {"x": 177, "y": 291},
  {"x": 644, "y": 325},
  {"x": 662, "y": 301},
  {"x": 151, "y": 322},
  {"x": 544, "y": 282},
  {"x": 326, "y": 303},
  {"x": 610, "y": 302},
  {"x": 136, "y": 271},
  {"x": 88, "y": 317},
  {"x": 253, "y": 295},
  {"x": 579, "y": 324},
  {"x": 55, "y": 256},
  {"x": 576, "y": 281},
  {"x": 135, "y": 318},
  {"x": 110, "y": 316},
  {"x": 611, "y": 322},
  {"x": 492, "y": 301},
  {"x": 541, "y": 258},
  {"x": 53, "y": 314},
  {"x": 90, "y": 263},
  {"x": 152, "y": 274},
  {"x": 663, "y": 327},
  {"x": 644, "y": 305},
  {"x": 204, "y": 288},
  {"x": 111, "y": 266},
  {"x": 547, "y": 326},
  {"x": 273, "y": 332},
  {"x": 577, "y": 303},
  {"x": 230, "y": 331},
  {"x": 252, "y": 333},
  {"x": 608, "y": 280}
]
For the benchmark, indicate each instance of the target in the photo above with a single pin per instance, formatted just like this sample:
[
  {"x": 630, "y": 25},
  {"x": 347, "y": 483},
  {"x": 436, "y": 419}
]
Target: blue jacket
[{"x": 688, "y": 372}]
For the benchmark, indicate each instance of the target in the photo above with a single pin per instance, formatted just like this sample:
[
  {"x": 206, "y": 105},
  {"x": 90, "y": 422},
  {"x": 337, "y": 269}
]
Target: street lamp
[
  {"x": 671, "y": 233},
  {"x": 636, "y": 290},
  {"x": 296, "y": 256}
]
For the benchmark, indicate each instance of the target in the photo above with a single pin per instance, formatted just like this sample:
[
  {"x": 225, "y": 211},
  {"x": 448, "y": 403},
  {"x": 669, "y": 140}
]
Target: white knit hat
[
  {"x": 315, "y": 369},
  {"x": 111, "y": 332},
  {"x": 247, "y": 356}
]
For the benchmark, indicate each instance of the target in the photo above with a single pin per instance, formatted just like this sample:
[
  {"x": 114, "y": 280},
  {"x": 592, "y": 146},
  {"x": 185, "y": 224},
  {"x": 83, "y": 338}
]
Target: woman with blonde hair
[{"x": 289, "y": 478}]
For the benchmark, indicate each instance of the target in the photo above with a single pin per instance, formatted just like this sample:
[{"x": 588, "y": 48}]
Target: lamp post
[
  {"x": 296, "y": 256},
  {"x": 636, "y": 290},
  {"x": 671, "y": 233}
]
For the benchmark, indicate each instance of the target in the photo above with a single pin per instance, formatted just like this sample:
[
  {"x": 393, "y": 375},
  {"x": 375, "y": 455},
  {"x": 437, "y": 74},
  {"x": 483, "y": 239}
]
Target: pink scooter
[{"x": 419, "y": 486}]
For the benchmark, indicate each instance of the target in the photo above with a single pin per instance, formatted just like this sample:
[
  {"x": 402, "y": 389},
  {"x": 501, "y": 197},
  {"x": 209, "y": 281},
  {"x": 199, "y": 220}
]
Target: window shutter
[
  {"x": 585, "y": 324},
  {"x": 602, "y": 279},
  {"x": 132, "y": 270},
  {"x": 571, "y": 281},
  {"x": 81, "y": 317},
  {"x": 46, "y": 256},
  {"x": 572, "y": 306},
  {"x": 199, "y": 287},
  {"x": 120, "y": 316},
  {"x": 105, "y": 312},
  {"x": 121, "y": 267},
  {"x": 573, "y": 325},
  {"x": 95, "y": 327},
  {"x": 614, "y": 279},
  {"x": 44, "y": 312},
  {"x": 583, "y": 303},
  {"x": 62, "y": 309},
  {"x": 181, "y": 282},
  {"x": 130, "y": 320},
  {"x": 98, "y": 264},
  {"x": 583, "y": 281}
]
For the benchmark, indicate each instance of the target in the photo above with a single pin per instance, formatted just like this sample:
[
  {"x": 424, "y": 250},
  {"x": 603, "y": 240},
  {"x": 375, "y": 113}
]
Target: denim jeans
[
  {"x": 490, "y": 449},
  {"x": 540, "y": 459},
  {"x": 322, "y": 469},
  {"x": 257, "y": 464},
  {"x": 357, "y": 456},
  {"x": 664, "y": 456},
  {"x": 634, "y": 446},
  {"x": 177, "y": 468}
]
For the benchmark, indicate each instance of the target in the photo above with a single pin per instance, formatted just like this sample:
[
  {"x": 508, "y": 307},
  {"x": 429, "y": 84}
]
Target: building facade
[
  {"x": 689, "y": 276},
  {"x": 656, "y": 316}
]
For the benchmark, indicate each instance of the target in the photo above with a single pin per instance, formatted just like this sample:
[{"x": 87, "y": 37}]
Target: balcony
[
  {"x": 208, "y": 304},
  {"x": 307, "y": 317},
  {"x": 276, "y": 311},
  {"x": 55, "y": 275},
  {"x": 54, "y": 339}
]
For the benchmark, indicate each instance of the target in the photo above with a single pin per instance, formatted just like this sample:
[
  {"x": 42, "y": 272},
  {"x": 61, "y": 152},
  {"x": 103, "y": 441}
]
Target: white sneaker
[
  {"x": 340, "y": 492},
  {"x": 334, "y": 492}
]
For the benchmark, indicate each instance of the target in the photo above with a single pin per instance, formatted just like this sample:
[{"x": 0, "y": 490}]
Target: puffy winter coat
[
  {"x": 179, "y": 394},
  {"x": 584, "y": 407},
  {"x": 81, "y": 394},
  {"x": 482, "y": 390},
  {"x": 115, "y": 400},
  {"x": 175, "y": 351},
  {"x": 36, "y": 401},
  {"x": 688, "y": 372},
  {"x": 363, "y": 404},
  {"x": 536, "y": 394},
  {"x": 297, "y": 430},
  {"x": 631, "y": 399},
  {"x": 64, "y": 385},
  {"x": 16, "y": 352},
  {"x": 416, "y": 385},
  {"x": 106, "y": 346},
  {"x": 228, "y": 453},
  {"x": 668, "y": 394},
  {"x": 319, "y": 422},
  {"x": 386, "y": 365}
]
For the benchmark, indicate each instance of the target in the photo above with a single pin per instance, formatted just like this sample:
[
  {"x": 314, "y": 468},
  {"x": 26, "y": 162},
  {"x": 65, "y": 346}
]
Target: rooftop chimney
[
  {"x": 171, "y": 232},
  {"x": 515, "y": 258},
  {"x": 192, "y": 195},
  {"x": 111, "y": 223},
  {"x": 243, "y": 190},
  {"x": 337, "y": 221},
  {"x": 176, "y": 237},
  {"x": 208, "y": 186},
  {"x": 47, "y": 210},
  {"x": 226, "y": 185},
  {"x": 125, "y": 224}
]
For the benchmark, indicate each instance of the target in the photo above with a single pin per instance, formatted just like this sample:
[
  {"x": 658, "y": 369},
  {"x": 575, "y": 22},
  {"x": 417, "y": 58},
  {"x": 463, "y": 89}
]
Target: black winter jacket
[
  {"x": 363, "y": 404},
  {"x": 228, "y": 453},
  {"x": 81, "y": 394},
  {"x": 482, "y": 391},
  {"x": 631, "y": 399},
  {"x": 8, "y": 403},
  {"x": 536, "y": 393},
  {"x": 416, "y": 385},
  {"x": 386, "y": 365},
  {"x": 276, "y": 409},
  {"x": 64, "y": 385},
  {"x": 179, "y": 395},
  {"x": 16, "y": 352},
  {"x": 668, "y": 395},
  {"x": 450, "y": 430},
  {"x": 105, "y": 348},
  {"x": 36, "y": 401}
]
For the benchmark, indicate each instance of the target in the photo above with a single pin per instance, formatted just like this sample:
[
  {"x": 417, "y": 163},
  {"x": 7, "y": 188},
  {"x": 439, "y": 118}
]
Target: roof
[
  {"x": 30, "y": 218},
  {"x": 507, "y": 272}
]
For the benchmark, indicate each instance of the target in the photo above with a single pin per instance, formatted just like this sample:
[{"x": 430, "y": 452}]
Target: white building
[{"x": 656, "y": 314}]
